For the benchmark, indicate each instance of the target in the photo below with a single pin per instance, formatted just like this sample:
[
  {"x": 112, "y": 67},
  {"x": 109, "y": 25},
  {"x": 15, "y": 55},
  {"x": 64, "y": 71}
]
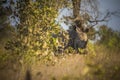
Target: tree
[
  {"x": 83, "y": 21},
  {"x": 109, "y": 38},
  {"x": 38, "y": 33},
  {"x": 37, "y": 19}
]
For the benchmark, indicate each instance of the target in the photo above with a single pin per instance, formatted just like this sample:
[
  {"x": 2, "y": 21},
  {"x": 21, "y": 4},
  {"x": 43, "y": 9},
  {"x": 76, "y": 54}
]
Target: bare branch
[
  {"x": 116, "y": 13},
  {"x": 105, "y": 18}
]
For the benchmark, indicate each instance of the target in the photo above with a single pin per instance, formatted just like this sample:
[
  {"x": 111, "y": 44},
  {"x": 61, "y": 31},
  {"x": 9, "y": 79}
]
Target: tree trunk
[{"x": 76, "y": 7}]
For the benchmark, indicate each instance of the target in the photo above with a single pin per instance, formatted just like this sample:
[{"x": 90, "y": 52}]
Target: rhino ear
[{"x": 87, "y": 30}]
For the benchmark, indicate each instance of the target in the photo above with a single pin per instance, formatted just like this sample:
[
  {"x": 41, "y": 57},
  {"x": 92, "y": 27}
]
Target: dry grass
[{"x": 103, "y": 65}]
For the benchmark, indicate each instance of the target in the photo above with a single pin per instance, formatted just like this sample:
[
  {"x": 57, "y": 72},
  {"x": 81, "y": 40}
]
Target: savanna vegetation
[{"x": 36, "y": 47}]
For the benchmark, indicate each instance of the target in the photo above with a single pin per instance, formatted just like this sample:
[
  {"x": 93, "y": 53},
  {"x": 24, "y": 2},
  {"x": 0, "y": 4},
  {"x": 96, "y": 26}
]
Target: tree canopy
[{"x": 36, "y": 26}]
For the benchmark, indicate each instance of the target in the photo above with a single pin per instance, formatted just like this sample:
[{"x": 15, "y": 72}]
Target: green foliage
[
  {"x": 91, "y": 49},
  {"x": 91, "y": 33},
  {"x": 69, "y": 50},
  {"x": 109, "y": 38},
  {"x": 38, "y": 33}
]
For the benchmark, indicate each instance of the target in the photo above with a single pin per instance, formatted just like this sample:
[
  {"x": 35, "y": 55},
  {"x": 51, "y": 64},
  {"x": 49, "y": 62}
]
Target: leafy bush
[
  {"x": 109, "y": 38},
  {"x": 38, "y": 33}
]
